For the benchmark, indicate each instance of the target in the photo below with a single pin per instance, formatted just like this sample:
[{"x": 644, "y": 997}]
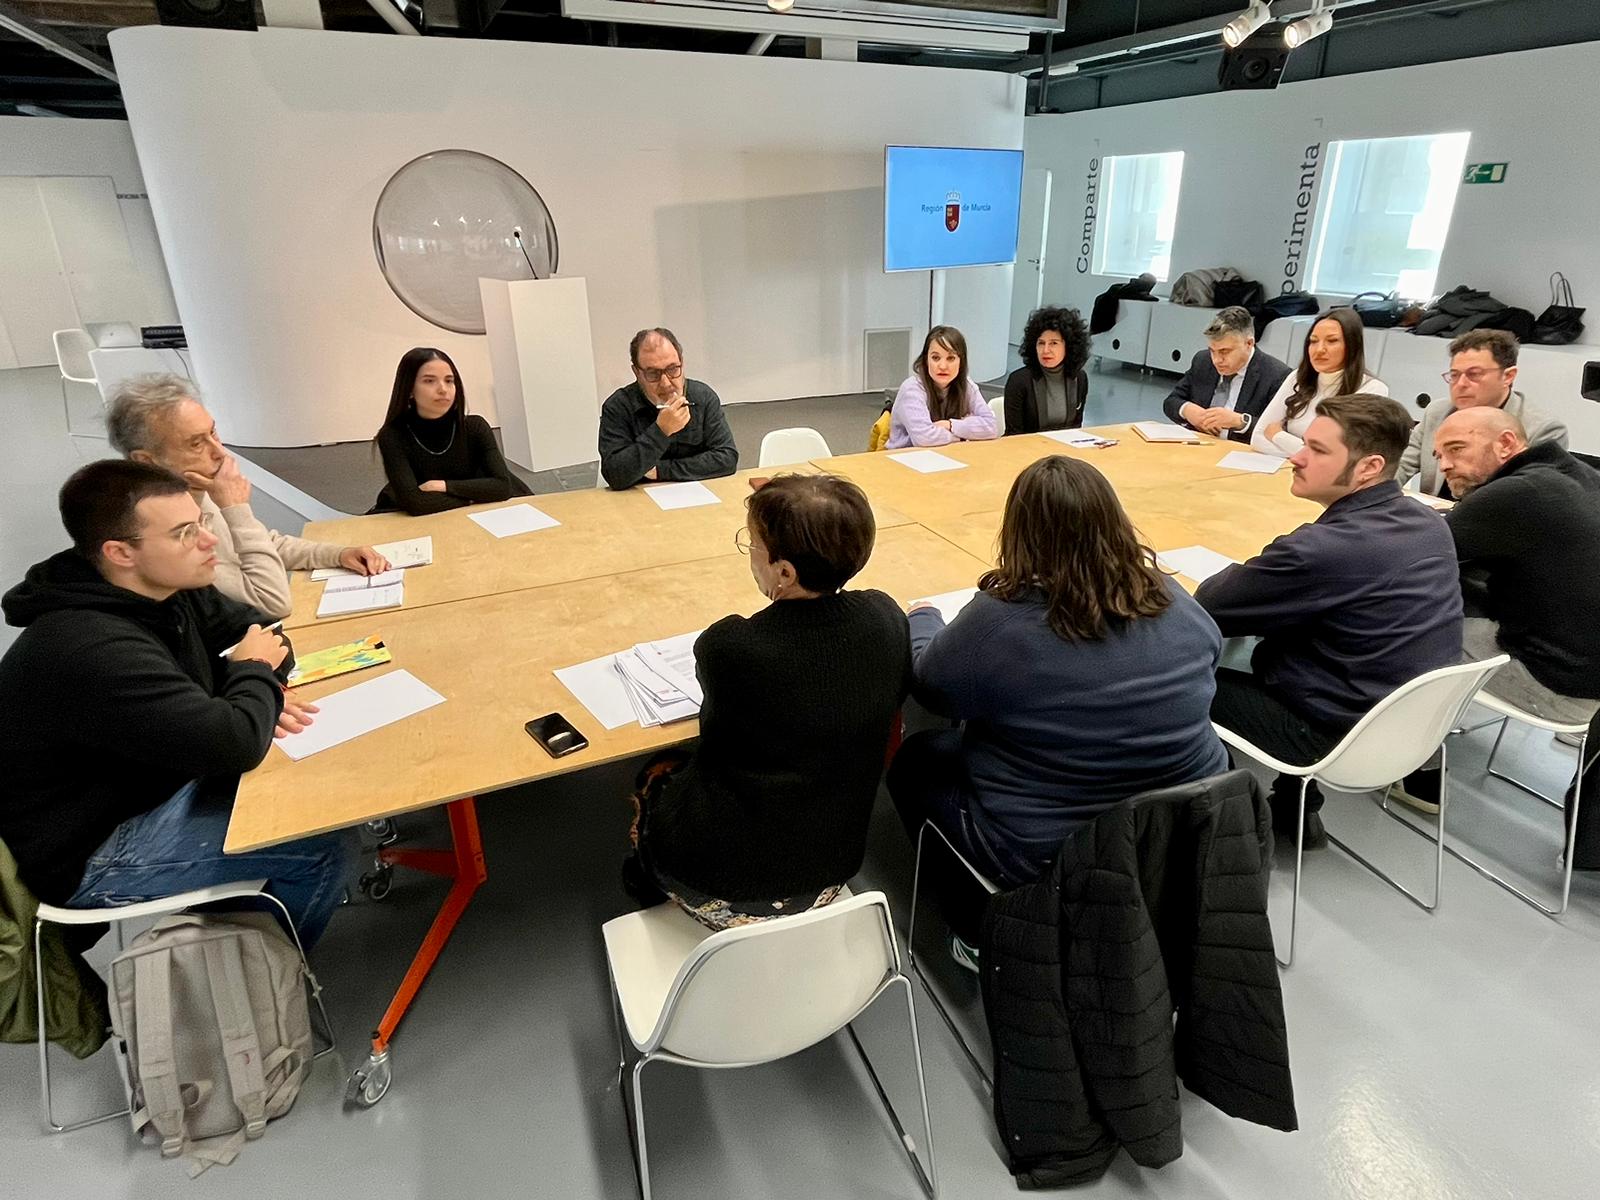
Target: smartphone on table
[{"x": 556, "y": 734}]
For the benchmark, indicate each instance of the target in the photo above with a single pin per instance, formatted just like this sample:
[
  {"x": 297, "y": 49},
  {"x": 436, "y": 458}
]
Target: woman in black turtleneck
[
  {"x": 435, "y": 456},
  {"x": 1050, "y": 389}
]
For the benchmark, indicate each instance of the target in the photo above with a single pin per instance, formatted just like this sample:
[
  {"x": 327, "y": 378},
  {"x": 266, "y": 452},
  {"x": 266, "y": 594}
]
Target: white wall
[
  {"x": 37, "y": 148},
  {"x": 1244, "y": 156},
  {"x": 736, "y": 200}
]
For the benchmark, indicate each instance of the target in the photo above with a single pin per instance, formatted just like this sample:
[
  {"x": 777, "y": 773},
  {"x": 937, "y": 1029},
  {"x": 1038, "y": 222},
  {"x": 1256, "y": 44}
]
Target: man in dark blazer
[{"x": 1229, "y": 383}]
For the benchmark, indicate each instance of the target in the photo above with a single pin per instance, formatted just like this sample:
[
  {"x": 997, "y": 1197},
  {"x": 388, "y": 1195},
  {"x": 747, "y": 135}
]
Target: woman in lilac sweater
[{"x": 938, "y": 403}]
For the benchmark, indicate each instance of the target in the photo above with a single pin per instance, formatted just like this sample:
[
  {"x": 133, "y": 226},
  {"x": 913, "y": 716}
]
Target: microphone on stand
[{"x": 516, "y": 234}]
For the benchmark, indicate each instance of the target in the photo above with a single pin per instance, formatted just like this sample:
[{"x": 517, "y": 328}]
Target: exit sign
[{"x": 1485, "y": 173}]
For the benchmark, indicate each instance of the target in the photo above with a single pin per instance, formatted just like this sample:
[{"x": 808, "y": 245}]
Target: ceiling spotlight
[
  {"x": 1303, "y": 30},
  {"x": 780, "y": 6},
  {"x": 1246, "y": 23}
]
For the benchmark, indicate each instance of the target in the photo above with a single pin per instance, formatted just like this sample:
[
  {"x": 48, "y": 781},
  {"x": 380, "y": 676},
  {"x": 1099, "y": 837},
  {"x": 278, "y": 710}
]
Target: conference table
[{"x": 491, "y": 620}]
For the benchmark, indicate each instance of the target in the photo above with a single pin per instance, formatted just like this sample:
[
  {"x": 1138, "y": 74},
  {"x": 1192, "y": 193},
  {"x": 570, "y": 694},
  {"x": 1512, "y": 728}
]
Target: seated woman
[
  {"x": 1333, "y": 363},
  {"x": 1051, "y": 388},
  {"x": 938, "y": 404},
  {"x": 1082, "y": 677},
  {"x": 435, "y": 456},
  {"x": 768, "y": 815}
]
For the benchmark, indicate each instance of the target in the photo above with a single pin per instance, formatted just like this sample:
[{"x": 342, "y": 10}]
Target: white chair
[
  {"x": 787, "y": 447},
  {"x": 753, "y": 994},
  {"x": 1508, "y": 713},
  {"x": 72, "y": 358},
  {"x": 150, "y": 909},
  {"x": 928, "y": 827},
  {"x": 998, "y": 407},
  {"x": 1397, "y": 736}
]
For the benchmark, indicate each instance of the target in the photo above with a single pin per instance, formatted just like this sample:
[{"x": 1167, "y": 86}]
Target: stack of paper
[
  {"x": 1079, "y": 440},
  {"x": 413, "y": 552},
  {"x": 359, "y": 599},
  {"x": 1159, "y": 431},
  {"x": 652, "y": 683},
  {"x": 354, "y": 583}
]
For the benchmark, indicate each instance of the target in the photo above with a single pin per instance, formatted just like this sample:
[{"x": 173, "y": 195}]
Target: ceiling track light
[
  {"x": 1246, "y": 23},
  {"x": 1303, "y": 30}
]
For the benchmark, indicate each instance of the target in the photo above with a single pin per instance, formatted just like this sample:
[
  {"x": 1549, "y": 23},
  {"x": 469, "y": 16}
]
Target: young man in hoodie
[{"x": 134, "y": 698}]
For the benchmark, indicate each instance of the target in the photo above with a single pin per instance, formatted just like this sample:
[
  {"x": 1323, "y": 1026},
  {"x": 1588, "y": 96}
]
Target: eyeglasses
[
  {"x": 1471, "y": 374},
  {"x": 656, "y": 375},
  {"x": 185, "y": 535},
  {"x": 741, "y": 540}
]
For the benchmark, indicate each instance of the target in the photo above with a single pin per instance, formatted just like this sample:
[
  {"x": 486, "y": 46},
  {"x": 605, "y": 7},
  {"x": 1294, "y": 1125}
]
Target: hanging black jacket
[
  {"x": 112, "y": 702},
  {"x": 1159, "y": 906},
  {"x": 1103, "y": 314}
]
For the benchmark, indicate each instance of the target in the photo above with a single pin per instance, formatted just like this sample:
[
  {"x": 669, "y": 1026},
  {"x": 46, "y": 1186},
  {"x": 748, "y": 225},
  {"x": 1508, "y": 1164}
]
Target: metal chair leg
[
  {"x": 1299, "y": 856},
  {"x": 927, "y": 1178},
  {"x": 927, "y": 986},
  {"x": 641, "y": 1152},
  {"x": 1439, "y": 842},
  {"x": 46, "y": 1100}
]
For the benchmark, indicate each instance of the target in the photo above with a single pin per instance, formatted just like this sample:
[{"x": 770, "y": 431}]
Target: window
[
  {"x": 1385, "y": 210},
  {"x": 1140, "y": 208}
]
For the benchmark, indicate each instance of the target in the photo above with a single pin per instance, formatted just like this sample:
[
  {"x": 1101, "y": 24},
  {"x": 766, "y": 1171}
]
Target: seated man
[
  {"x": 158, "y": 419},
  {"x": 126, "y": 726},
  {"x": 653, "y": 429},
  {"x": 1228, "y": 385},
  {"x": 1348, "y": 608},
  {"x": 1527, "y": 533},
  {"x": 1483, "y": 367}
]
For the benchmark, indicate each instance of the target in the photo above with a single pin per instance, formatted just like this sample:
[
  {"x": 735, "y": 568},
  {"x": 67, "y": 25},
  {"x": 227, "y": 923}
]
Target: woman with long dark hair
[
  {"x": 435, "y": 456},
  {"x": 938, "y": 403},
  {"x": 1332, "y": 363},
  {"x": 1051, "y": 388},
  {"x": 1081, "y": 674}
]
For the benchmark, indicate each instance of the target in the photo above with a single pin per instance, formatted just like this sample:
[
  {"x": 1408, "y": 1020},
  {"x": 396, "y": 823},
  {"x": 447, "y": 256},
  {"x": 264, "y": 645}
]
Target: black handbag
[
  {"x": 1379, "y": 311},
  {"x": 1562, "y": 322}
]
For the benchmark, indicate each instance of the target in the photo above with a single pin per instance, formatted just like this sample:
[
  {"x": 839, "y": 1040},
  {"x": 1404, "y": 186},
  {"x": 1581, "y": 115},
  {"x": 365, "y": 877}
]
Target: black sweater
[
  {"x": 112, "y": 702},
  {"x": 1529, "y": 544},
  {"x": 631, "y": 442},
  {"x": 467, "y": 459},
  {"x": 1024, "y": 403},
  {"x": 799, "y": 702}
]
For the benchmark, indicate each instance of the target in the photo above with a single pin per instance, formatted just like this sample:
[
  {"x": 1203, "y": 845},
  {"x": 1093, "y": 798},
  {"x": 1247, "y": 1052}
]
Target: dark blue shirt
[
  {"x": 1057, "y": 732},
  {"x": 631, "y": 443},
  {"x": 1349, "y": 607}
]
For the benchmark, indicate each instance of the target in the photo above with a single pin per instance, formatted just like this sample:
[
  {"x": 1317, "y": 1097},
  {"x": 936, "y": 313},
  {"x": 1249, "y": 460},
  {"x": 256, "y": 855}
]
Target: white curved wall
[{"x": 737, "y": 200}]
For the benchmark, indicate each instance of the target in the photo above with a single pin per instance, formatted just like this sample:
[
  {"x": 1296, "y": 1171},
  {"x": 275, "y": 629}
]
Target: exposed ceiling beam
[{"x": 25, "y": 27}]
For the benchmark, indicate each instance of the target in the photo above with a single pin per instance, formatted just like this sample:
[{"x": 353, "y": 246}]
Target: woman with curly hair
[{"x": 1050, "y": 389}]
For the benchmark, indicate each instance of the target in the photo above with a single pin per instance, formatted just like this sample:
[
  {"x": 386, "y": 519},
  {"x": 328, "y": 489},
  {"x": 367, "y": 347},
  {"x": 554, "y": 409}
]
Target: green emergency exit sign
[{"x": 1485, "y": 173}]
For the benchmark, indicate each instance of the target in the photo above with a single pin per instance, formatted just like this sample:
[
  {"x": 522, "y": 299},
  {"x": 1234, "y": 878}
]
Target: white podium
[{"x": 542, "y": 356}]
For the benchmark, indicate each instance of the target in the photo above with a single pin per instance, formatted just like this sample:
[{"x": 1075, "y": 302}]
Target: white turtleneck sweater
[{"x": 1291, "y": 437}]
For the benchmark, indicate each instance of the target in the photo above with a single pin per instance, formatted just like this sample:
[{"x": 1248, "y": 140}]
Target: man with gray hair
[
  {"x": 1230, "y": 383},
  {"x": 159, "y": 419}
]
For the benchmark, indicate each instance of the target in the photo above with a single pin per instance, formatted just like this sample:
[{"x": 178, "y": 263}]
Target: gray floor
[{"x": 1446, "y": 1057}]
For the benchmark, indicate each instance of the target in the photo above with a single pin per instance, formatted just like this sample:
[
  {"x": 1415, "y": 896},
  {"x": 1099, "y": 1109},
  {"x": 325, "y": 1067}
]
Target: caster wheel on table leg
[
  {"x": 369, "y": 1083},
  {"x": 375, "y": 884},
  {"x": 384, "y": 831}
]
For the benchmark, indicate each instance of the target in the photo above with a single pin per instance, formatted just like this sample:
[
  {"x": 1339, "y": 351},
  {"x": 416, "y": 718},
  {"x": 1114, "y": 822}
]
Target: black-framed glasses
[
  {"x": 185, "y": 535},
  {"x": 657, "y": 374},
  {"x": 1472, "y": 374},
  {"x": 741, "y": 540}
]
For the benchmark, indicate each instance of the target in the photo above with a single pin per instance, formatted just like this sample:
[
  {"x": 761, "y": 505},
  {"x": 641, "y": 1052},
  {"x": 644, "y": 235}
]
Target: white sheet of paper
[
  {"x": 1433, "y": 502},
  {"x": 356, "y": 583},
  {"x": 600, "y": 689},
  {"x": 949, "y": 603},
  {"x": 1197, "y": 562},
  {"x": 1078, "y": 439},
  {"x": 413, "y": 552},
  {"x": 927, "y": 461},
  {"x": 673, "y": 658},
  {"x": 358, "y": 710},
  {"x": 681, "y": 495},
  {"x": 519, "y": 518},
  {"x": 1249, "y": 460},
  {"x": 337, "y": 604},
  {"x": 1160, "y": 431}
]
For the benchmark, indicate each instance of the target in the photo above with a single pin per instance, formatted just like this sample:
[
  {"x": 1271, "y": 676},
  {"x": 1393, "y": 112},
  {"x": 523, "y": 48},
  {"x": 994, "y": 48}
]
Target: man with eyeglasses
[
  {"x": 134, "y": 698},
  {"x": 663, "y": 425},
  {"x": 1483, "y": 368}
]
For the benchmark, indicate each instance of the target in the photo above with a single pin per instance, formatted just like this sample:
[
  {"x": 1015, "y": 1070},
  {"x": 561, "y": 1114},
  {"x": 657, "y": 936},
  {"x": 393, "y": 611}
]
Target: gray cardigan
[{"x": 1419, "y": 460}]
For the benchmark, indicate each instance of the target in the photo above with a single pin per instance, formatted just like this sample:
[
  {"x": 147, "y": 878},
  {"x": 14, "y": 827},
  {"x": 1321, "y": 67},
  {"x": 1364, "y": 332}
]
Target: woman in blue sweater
[{"x": 1079, "y": 673}]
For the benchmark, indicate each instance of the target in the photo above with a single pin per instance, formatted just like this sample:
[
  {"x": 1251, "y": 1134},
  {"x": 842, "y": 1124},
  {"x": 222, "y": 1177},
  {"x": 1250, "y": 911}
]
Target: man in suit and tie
[{"x": 1229, "y": 383}]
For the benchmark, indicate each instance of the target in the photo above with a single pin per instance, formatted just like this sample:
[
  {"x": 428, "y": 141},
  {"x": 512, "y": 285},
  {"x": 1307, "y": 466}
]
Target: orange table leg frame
[{"x": 463, "y": 863}]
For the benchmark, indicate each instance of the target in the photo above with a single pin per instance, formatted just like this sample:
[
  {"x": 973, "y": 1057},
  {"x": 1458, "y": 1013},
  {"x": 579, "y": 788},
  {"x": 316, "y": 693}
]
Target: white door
[
  {"x": 1027, "y": 286},
  {"x": 35, "y": 299}
]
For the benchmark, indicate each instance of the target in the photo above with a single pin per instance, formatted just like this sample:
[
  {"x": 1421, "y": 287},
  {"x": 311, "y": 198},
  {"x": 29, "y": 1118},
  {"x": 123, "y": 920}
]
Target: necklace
[{"x": 435, "y": 453}]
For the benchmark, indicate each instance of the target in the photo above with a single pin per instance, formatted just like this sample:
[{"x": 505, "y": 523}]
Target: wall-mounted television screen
[{"x": 949, "y": 207}]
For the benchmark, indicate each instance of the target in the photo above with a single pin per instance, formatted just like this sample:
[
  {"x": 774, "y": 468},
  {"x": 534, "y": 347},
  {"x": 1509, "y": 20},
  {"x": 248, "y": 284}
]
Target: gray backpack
[{"x": 211, "y": 1013}]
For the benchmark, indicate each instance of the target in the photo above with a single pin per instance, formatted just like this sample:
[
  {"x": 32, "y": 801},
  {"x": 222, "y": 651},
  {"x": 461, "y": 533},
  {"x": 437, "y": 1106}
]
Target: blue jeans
[{"x": 177, "y": 846}]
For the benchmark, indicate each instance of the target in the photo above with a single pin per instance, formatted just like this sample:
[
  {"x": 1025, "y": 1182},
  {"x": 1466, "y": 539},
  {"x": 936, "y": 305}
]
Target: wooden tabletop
[
  {"x": 493, "y": 659},
  {"x": 601, "y": 533},
  {"x": 491, "y": 620}
]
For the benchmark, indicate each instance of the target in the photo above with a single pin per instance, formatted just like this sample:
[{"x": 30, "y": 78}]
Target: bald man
[
  {"x": 663, "y": 425},
  {"x": 1527, "y": 534}
]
